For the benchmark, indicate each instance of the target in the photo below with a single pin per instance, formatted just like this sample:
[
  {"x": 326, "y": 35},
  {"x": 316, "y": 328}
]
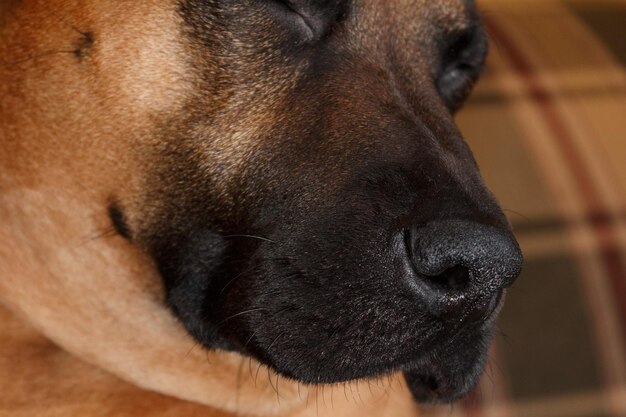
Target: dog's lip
[
  {"x": 429, "y": 388},
  {"x": 430, "y": 380},
  {"x": 423, "y": 360},
  {"x": 435, "y": 379}
]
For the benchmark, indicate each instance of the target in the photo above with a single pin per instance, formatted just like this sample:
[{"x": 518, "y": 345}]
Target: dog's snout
[{"x": 462, "y": 267}]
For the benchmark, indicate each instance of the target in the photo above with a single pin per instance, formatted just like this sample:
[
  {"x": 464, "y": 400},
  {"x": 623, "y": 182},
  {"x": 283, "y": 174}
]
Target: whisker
[
  {"x": 265, "y": 239},
  {"x": 239, "y": 381},
  {"x": 250, "y": 365},
  {"x": 387, "y": 389},
  {"x": 352, "y": 393},
  {"x": 275, "y": 340},
  {"x": 250, "y": 339},
  {"x": 235, "y": 278},
  {"x": 193, "y": 346},
  {"x": 270, "y": 293},
  {"x": 389, "y": 381},
  {"x": 241, "y": 313},
  {"x": 490, "y": 375},
  {"x": 498, "y": 367},
  {"x": 269, "y": 379},
  {"x": 104, "y": 233},
  {"x": 317, "y": 405},
  {"x": 308, "y": 394},
  {"x": 284, "y": 258},
  {"x": 256, "y": 376},
  {"x": 520, "y": 291},
  {"x": 517, "y": 213},
  {"x": 500, "y": 333},
  {"x": 358, "y": 391}
]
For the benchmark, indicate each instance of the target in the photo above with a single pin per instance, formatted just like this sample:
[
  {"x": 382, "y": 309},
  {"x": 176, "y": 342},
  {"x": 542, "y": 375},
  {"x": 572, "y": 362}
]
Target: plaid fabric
[{"x": 548, "y": 127}]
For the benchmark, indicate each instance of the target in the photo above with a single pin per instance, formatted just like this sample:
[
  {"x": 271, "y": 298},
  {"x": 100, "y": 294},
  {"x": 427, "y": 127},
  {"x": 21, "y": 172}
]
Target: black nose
[{"x": 462, "y": 267}]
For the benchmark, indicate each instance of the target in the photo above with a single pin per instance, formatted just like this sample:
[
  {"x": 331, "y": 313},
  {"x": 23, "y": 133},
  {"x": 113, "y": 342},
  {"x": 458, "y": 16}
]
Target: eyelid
[
  {"x": 468, "y": 45},
  {"x": 303, "y": 22},
  {"x": 317, "y": 20},
  {"x": 456, "y": 81},
  {"x": 462, "y": 59}
]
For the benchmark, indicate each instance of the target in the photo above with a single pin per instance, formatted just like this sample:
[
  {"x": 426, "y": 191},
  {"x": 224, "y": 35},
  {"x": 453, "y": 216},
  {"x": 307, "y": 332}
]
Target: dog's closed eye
[
  {"x": 462, "y": 61},
  {"x": 311, "y": 21},
  {"x": 293, "y": 18}
]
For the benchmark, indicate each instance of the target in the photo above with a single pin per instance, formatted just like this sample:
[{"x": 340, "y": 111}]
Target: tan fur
[
  {"x": 47, "y": 381},
  {"x": 97, "y": 298},
  {"x": 74, "y": 116}
]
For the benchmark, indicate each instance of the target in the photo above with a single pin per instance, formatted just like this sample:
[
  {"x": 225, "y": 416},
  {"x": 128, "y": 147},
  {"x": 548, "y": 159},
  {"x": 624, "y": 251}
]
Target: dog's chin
[
  {"x": 446, "y": 376},
  {"x": 443, "y": 374},
  {"x": 438, "y": 372}
]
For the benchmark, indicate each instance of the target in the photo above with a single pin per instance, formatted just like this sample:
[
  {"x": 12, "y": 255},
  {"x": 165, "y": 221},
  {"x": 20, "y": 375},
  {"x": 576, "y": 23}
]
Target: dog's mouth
[
  {"x": 453, "y": 368},
  {"x": 441, "y": 371},
  {"x": 318, "y": 321},
  {"x": 357, "y": 288}
]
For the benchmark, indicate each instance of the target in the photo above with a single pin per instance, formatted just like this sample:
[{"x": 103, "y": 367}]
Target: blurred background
[{"x": 547, "y": 124}]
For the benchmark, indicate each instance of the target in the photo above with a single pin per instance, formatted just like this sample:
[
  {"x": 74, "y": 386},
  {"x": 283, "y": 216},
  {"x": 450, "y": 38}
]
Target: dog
[{"x": 279, "y": 181}]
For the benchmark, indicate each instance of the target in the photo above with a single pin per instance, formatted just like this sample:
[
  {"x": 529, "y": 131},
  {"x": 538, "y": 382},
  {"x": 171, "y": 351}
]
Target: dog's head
[
  {"x": 315, "y": 207},
  {"x": 306, "y": 196}
]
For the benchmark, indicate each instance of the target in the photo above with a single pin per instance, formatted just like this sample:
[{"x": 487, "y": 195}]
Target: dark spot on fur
[
  {"x": 84, "y": 44},
  {"x": 118, "y": 218}
]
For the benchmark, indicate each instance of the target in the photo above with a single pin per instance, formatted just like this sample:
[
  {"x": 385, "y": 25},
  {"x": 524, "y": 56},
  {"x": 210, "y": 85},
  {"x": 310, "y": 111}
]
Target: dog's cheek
[
  {"x": 310, "y": 308},
  {"x": 191, "y": 265}
]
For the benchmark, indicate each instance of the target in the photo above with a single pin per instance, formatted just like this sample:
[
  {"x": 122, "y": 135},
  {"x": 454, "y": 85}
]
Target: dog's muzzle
[{"x": 459, "y": 271}]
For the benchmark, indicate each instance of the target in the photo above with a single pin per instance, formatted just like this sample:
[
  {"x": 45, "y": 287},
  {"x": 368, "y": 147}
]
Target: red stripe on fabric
[{"x": 604, "y": 233}]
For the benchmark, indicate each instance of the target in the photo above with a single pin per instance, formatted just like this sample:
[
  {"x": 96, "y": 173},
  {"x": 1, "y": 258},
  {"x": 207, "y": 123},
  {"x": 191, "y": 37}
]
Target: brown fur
[
  {"x": 84, "y": 85},
  {"x": 47, "y": 381}
]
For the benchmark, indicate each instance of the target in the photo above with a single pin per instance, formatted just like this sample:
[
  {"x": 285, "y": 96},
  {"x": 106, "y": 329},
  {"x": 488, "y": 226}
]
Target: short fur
[{"x": 243, "y": 168}]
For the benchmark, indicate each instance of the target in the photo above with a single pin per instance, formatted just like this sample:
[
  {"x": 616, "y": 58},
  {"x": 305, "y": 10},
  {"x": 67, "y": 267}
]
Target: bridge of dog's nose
[{"x": 462, "y": 267}]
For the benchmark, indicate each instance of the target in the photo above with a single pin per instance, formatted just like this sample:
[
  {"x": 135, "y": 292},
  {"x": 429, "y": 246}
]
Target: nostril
[
  {"x": 460, "y": 268},
  {"x": 458, "y": 253},
  {"x": 453, "y": 279}
]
